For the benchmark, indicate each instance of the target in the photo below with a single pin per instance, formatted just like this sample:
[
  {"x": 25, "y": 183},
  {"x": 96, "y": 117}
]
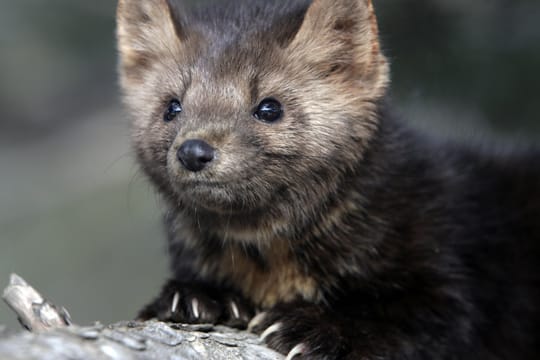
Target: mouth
[
  {"x": 233, "y": 196},
  {"x": 216, "y": 196},
  {"x": 204, "y": 184}
]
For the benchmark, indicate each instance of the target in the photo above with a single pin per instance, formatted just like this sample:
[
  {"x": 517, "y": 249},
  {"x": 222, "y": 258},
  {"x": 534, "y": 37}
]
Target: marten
[{"x": 300, "y": 207}]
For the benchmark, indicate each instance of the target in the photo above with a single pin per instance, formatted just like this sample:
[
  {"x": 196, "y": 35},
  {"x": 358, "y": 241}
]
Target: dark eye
[
  {"x": 269, "y": 111},
  {"x": 173, "y": 109}
]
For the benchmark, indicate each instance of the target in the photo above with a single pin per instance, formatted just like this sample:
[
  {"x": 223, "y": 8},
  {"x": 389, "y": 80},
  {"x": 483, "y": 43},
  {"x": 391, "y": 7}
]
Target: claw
[
  {"x": 195, "y": 307},
  {"x": 256, "y": 321},
  {"x": 235, "y": 311},
  {"x": 272, "y": 329},
  {"x": 175, "y": 301},
  {"x": 297, "y": 350}
]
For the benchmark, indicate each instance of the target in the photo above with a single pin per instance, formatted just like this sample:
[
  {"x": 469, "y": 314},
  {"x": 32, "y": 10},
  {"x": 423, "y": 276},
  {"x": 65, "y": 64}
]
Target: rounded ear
[
  {"x": 341, "y": 36},
  {"x": 146, "y": 30}
]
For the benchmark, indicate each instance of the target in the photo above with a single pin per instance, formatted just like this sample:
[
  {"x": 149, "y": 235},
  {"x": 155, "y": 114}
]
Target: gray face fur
[{"x": 321, "y": 61}]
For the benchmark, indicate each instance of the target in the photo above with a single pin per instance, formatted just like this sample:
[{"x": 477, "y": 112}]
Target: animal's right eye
[{"x": 173, "y": 109}]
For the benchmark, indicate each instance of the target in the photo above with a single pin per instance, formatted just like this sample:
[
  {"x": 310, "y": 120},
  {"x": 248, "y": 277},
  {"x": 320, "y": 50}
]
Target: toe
[{"x": 237, "y": 313}]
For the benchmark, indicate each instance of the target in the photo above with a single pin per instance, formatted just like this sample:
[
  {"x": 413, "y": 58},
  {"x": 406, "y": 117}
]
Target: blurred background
[{"x": 80, "y": 222}]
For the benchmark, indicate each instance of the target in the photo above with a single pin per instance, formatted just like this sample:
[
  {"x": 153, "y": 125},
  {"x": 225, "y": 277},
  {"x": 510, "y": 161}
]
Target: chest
[{"x": 270, "y": 277}]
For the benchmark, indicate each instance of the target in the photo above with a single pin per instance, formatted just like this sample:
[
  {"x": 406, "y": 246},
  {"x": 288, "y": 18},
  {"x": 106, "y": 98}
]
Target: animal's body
[{"x": 292, "y": 191}]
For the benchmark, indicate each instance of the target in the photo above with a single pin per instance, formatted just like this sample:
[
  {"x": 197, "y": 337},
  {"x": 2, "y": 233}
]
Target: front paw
[
  {"x": 302, "y": 331},
  {"x": 198, "y": 304}
]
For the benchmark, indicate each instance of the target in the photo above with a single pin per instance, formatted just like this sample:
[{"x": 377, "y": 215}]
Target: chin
[{"x": 217, "y": 198}]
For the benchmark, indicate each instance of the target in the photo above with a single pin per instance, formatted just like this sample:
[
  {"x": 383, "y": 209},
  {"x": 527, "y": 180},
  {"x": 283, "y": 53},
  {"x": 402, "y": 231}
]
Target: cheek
[
  {"x": 338, "y": 122},
  {"x": 153, "y": 140},
  {"x": 235, "y": 159}
]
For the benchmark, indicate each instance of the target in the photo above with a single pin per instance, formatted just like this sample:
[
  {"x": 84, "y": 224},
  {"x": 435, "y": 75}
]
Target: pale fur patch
[{"x": 283, "y": 281}]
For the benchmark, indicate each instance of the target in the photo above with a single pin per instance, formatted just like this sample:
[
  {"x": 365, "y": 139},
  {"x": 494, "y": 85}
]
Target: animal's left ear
[{"x": 341, "y": 36}]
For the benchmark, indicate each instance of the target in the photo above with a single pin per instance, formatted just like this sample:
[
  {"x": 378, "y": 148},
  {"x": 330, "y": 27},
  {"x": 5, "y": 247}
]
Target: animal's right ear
[{"x": 146, "y": 30}]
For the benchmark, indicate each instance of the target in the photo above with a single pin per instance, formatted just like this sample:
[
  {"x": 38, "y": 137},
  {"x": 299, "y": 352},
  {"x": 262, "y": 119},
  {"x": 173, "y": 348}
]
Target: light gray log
[{"x": 134, "y": 341}]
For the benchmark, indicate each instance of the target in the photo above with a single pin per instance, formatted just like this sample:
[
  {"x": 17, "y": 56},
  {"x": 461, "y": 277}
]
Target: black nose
[{"x": 195, "y": 155}]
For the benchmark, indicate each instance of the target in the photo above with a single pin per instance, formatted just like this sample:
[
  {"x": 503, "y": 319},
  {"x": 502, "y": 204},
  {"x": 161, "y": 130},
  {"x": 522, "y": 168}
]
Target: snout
[{"x": 195, "y": 155}]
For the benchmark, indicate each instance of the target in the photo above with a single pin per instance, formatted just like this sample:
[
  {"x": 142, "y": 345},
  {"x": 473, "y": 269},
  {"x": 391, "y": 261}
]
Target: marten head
[{"x": 259, "y": 106}]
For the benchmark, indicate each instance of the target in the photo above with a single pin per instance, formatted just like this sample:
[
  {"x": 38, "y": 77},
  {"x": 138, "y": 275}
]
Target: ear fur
[
  {"x": 341, "y": 36},
  {"x": 146, "y": 30}
]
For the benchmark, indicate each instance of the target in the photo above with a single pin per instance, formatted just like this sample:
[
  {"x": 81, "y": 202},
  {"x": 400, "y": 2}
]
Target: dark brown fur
[{"x": 360, "y": 237}]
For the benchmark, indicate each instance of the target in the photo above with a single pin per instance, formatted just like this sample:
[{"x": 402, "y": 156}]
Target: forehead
[
  {"x": 243, "y": 31},
  {"x": 234, "y": 45},
  {"x": 236, "y": 17}
]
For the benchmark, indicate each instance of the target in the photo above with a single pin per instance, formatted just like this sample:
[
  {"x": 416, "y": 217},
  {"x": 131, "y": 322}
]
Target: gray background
[{"x": 80, "y": 222}]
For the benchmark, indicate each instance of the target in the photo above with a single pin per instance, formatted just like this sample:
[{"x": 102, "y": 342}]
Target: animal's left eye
[
  {"x": 173, "y": 109},
  {"x": 269, "y": 111}
]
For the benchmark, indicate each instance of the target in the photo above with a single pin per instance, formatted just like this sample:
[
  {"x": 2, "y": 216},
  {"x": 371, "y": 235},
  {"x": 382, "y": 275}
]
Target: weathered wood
[
  {"x": 136, "y": 340},
  {"x": 53, "y": 337},
  {"x": 34, "y": 312}
]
